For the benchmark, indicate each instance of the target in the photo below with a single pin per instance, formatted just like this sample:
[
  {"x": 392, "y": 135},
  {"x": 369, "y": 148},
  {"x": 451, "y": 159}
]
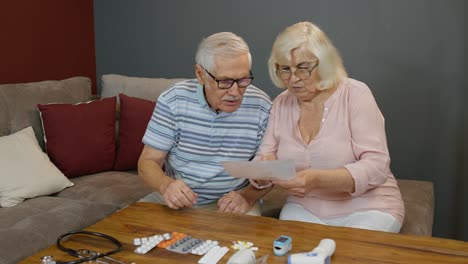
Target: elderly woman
[{"x": 332, "y": 128}]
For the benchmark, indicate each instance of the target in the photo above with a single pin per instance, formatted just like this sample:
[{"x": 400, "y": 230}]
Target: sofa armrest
[{"x": 418, "y": 197}]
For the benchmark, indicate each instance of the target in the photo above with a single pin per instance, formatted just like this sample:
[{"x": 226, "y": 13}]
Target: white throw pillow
[{"x": 26, "y": 171}]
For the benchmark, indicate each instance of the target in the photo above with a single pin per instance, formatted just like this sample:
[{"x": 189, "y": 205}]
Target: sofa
[
  {"x": 35, "y": 223},
  {"x": 103, "y": 179}
]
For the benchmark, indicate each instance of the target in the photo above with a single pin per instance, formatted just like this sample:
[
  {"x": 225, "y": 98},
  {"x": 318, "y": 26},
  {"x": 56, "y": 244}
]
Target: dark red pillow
[
  {"x": 80, "y": 138},
  {"x": 135, "y": 114}
]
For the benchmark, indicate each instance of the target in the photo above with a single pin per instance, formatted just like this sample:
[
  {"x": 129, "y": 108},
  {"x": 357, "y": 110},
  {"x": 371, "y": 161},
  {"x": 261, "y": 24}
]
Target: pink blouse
[{"x": 352, "y": 135}]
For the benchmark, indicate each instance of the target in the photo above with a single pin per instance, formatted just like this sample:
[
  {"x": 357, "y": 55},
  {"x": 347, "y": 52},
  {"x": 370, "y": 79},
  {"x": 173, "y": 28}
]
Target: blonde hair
[
  {"x": 307, "y": 35},
  {"x": 226, "y": 44}
]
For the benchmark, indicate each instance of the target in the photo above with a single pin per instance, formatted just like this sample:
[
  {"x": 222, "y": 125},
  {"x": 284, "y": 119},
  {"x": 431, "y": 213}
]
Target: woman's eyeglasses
[{"x": 301, "y": 72}]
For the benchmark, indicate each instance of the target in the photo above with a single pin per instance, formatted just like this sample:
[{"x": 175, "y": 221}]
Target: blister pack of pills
[
  {"x": 184, "y": 245},
  {"x": 174, "y": 237},
  {"x": 145, "y": 244},
  {"x": 176, "y": 242},
  {"x": 191, "y": 245}
]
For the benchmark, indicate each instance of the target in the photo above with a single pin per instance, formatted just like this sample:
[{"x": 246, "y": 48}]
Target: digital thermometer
[
  {"x": 319, "y": 255},
  {"x": 282, "y": 245}
]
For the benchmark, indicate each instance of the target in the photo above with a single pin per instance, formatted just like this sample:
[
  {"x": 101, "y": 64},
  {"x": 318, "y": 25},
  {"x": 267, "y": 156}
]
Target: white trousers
[
  {"x": 372, "y": 220},
  {"x": 156, "y": 197}
]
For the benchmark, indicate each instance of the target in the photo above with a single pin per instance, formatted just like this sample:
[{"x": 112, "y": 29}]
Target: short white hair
[
  {"x": 226, "y": 44},
  {"x": 307, "y": 35}
]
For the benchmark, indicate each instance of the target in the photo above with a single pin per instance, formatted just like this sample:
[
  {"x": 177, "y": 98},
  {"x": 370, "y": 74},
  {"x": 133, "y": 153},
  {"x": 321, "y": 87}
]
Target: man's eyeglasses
[
  {"x": 228, "y": 83},
  {"x": 303, "y": 73}
]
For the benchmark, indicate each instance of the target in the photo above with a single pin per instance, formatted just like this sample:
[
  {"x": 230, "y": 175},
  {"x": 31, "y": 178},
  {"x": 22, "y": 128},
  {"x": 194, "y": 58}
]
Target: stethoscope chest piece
[{"x": 47, "y": 260}]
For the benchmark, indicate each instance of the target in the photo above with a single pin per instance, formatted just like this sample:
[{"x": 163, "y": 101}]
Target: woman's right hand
[{"x": 260, "y": 184}]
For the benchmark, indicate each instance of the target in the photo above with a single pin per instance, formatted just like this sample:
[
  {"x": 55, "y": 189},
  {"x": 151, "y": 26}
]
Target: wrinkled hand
[
  {"x": 262, "y": 183},
  {"x": 178, "y": 195},
  {"x": 302, "y": 184},
  {"x": 233, "y": 202}
]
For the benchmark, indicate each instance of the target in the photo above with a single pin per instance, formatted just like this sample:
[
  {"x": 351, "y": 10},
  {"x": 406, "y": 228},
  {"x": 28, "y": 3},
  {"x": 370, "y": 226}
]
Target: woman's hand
[
  {"x": 304, "y": 182},
  {"x": 262, "y": 184}
]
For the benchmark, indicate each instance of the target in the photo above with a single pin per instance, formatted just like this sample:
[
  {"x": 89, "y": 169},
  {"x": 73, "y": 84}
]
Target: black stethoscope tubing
[{"x": 74, "y": 253}]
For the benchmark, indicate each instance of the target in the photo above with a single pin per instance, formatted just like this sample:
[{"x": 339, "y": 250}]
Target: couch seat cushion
[
  {"x": 112, "y": 187},
  {"x": 18, "y": 102},
  {"x": 36, "y": 223}
]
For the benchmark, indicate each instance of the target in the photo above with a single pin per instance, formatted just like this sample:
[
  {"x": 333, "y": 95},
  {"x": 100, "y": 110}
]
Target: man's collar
[{"x": 201, "y": 96}]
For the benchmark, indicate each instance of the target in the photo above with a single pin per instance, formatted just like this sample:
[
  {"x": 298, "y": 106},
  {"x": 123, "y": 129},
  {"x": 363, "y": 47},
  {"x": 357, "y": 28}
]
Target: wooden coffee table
[{"x": 352, "y": 245}]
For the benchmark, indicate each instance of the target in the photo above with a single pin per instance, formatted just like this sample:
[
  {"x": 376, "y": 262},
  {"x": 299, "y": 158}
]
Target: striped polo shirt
[{"x": 196, "y": 138}]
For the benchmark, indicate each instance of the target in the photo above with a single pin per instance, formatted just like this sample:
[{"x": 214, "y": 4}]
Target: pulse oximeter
[{"x": 282, "y": 245}]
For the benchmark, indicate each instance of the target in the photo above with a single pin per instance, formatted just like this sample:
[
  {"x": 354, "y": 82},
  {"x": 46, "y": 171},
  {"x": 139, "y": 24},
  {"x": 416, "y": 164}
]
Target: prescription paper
[{"x": 261, "y": 170}]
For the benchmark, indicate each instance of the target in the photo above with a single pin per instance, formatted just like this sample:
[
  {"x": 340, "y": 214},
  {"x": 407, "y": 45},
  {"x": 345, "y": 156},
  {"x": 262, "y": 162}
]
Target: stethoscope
[{"x": 84, "y": 254}]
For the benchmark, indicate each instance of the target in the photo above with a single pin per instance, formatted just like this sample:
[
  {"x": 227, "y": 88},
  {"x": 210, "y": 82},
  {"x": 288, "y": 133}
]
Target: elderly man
[{"x": 198, "y": 123}]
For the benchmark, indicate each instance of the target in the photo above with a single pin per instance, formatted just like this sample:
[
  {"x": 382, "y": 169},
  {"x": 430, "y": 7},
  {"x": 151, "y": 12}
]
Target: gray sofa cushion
[
  {"x": 145, "y": 88},
  {"x": 116, "y": 188},
  {"x": 36, "y": 223},
  {"x": 4, "y": 116},
  {"x": 43, "y": 219},
  {"x": 18, "y": 102}
]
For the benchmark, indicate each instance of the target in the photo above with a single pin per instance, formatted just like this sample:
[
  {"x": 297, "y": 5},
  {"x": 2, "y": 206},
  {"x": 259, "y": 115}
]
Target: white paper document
[{"x": 261, "y": 170}]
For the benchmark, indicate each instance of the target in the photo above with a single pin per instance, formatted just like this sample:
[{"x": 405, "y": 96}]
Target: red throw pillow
[
  {"x": 135, "y": 114},
  {"x": 80, "y": 138}
]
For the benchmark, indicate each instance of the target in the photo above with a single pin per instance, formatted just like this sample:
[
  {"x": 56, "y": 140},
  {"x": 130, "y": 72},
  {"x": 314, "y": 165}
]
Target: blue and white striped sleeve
[{"x": 161, "y": 129}]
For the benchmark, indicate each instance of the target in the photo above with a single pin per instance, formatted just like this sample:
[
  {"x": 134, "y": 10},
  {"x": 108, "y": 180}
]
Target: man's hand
[
  {"x": 233, "y": 202},
  {"x": 178, "y": 195}
]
